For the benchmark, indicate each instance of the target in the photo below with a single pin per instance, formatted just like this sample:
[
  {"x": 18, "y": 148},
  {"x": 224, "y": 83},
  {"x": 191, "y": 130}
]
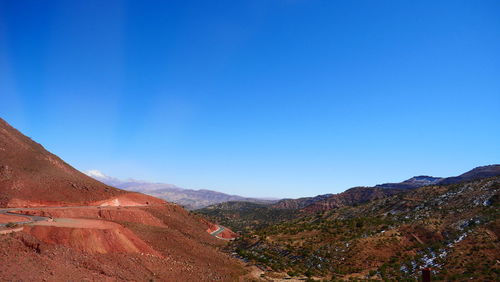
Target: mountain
[
  {"x": 190, "y": 199},
  {"x": 359, "y": 195},
  {"x": 423, "y": 180},
  {"x": 474, "y": 174},
  {"x": 386, "y": 232},
  {"x": 453, "y": 229},
  {"x": 354, "y": 196},
  {"x": 67, "y": 226},
  {"x": 30, "y": 175},
  {"x": 244, "y": 216},
  {"x": 241, "y": 216},
  {"x": 297, "y": 204},
  {"x": 412, "y": 183},
  {"x": 351, "y": 197}
]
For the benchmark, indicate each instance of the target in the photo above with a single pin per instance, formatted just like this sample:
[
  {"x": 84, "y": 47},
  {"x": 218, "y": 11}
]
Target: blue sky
[{"x": 257, "y": 98}]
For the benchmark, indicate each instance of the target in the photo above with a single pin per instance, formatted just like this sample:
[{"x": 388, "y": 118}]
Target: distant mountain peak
[
  {"x": 423, "y": 179},
  {"x": 189, "y": 198},
  {"x": 473, "y": 174},
  {"x": 412, "y": 183}
]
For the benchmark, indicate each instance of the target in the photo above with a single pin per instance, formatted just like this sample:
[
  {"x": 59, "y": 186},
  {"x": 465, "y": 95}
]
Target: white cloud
[{"x": 95, "y": 173}]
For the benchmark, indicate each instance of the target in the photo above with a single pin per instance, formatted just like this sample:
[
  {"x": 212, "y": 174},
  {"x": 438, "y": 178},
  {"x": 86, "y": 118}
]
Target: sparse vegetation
[
  {"x": 11, "y": 225},
  {"x": 245, "y": 217},
  {"x": 448, "y": 228}
]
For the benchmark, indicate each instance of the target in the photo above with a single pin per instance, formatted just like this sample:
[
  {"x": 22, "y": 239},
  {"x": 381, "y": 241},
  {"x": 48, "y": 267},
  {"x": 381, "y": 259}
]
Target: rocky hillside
[
  {"x": 300, "y": 203},
  {"x": 454, "y": 229},
  {"x": 351, "y": 197},
  {"x": 30, "y": 175},
  {"x": 354, "y": 196},
  {"x": 359, "y": 195},
  {"x": 243, "y": 217}
]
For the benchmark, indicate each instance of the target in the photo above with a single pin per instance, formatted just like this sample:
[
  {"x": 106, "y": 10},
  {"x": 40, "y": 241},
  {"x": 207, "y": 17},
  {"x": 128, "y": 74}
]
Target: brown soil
[
  {"x": 227, "y": 234},
  {"x": 30, "y": 175},
  {"x": 25, "y": 258},
  {"x": 130, "y": 199},
  {"x": 167, "y": 231},
  {"x": 164, "y": 243},
  {"x": 94, "y": 236},
  {"x": 212, "y": 228}
]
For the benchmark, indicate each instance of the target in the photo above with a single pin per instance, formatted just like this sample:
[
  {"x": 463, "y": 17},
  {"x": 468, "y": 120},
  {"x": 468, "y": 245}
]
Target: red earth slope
[
  {"x": 98, "y": 232},
  {"x": 160, "y": 243},
  {"x": 30, "y": 175}
]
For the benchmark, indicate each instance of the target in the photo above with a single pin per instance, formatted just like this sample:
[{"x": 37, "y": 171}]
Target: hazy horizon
[
  {"x": 97, "y": 174},
  {"x": 260, "y": 99}
]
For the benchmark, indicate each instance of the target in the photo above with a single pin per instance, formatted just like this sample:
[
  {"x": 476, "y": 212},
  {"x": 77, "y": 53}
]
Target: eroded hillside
[
  {"x": 31, "y": 176},
  {"x": 62, "y": 225},
  {"x": 163, "y": 243}
]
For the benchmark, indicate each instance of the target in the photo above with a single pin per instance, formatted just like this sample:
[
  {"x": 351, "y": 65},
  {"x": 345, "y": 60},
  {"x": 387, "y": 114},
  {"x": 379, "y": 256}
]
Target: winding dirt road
[
  {"x": 218, "y": 231},
  {"x": 33, "y": 218}
]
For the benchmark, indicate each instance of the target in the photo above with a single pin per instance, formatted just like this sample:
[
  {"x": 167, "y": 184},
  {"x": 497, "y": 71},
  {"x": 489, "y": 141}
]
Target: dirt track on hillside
[{"x": 5, "y": 218}]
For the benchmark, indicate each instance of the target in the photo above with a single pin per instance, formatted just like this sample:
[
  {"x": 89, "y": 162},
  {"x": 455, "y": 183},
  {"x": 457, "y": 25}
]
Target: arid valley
[{"x": 249, "y": 141}]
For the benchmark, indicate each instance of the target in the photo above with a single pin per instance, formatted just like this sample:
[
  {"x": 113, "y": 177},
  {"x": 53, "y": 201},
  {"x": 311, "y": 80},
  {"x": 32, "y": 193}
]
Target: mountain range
[
  {"x": 198, "y": 199},
  {"x": 242, "y": 216},
  {"x": 388, "y": 232},
  {"x": 451, "y": 228},
  {"x": 358, "y": 195},
  {"x": 189, "y": 198}
]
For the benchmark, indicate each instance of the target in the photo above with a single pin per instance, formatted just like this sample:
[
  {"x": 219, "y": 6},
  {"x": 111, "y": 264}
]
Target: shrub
[
  {"x": 11, "y": 225},
  {"x": 308, "y": 273}
]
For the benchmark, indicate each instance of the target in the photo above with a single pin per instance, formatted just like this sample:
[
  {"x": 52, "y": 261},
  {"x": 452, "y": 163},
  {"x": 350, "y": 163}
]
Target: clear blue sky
[{"x": 258, "y": 98}]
